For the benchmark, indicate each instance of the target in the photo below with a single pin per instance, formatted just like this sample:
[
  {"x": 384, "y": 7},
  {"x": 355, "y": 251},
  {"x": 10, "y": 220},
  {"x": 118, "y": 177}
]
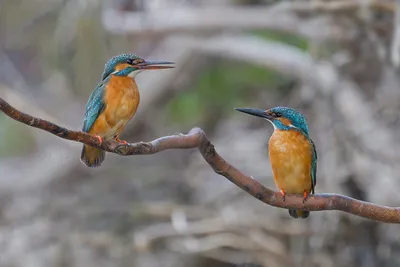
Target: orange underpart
[
  {"x": 290, "y": 154},
  {"x": 120, "y": 91},
  {"x": 283, "y": 194}
]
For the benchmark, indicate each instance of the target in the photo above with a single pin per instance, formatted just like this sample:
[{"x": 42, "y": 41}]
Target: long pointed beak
[
  {"x": 255, "y": 112},
  {"x": 155, "y": 65}
]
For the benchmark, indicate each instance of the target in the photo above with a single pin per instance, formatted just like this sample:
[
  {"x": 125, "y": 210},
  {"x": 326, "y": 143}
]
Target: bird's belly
[
  {"x": 121, "y": 105},
  {"x": 291, "y": 156}
]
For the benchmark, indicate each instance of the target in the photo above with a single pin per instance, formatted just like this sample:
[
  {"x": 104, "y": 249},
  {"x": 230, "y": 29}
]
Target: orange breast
[
  {"x": 122, "y": 99},
  {"x": 290, "y": 155}
]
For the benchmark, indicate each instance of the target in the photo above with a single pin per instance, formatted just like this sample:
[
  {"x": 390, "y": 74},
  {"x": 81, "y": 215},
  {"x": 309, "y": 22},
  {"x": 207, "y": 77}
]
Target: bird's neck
[
  {"x": 123, "y": 83},
  {"x": 280, "y": 126}
]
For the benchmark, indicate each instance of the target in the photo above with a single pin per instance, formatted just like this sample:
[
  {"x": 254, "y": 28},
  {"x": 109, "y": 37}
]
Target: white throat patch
[{"x": 134, "y": 73}]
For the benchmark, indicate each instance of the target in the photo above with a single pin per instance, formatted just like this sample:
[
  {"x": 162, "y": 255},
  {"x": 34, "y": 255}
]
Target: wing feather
[
  {"x": 94, "y": 107},
  {"x": 313, "y": 166}
]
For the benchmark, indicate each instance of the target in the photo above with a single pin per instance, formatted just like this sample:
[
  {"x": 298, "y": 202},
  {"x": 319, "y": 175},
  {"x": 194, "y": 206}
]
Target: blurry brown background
[{"x": 335, "y": 61}]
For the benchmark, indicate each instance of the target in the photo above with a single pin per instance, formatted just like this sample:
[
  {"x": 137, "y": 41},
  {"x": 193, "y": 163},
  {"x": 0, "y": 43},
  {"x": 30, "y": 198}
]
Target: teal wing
[
  {"x": 313, "y": 166},
  {"x": 94, "y": 107}
]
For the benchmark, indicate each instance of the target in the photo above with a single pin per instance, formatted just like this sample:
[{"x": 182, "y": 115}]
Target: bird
[
  {"x": 292, "y": 153},
  {"x": 114, "y": 101}
]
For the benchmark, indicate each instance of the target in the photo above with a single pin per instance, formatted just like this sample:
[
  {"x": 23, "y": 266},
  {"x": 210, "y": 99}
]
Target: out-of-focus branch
[
  {"x": 284, "y": 58},
  {"x": 280, "y": 17},
  {"x": 318, "y": 6},
  {"x": 213, "y": 225},
  {"x": 395, "y": 49},
  {"x": 197, "y": 138}
]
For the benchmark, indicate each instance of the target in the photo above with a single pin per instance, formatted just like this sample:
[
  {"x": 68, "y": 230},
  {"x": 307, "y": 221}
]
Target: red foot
[
  {"x": 100, "y": 139},
  {"x": 121, "y": 141},
  {"x": 283, "y": 195},
  {"x": 305, "y": 196}
]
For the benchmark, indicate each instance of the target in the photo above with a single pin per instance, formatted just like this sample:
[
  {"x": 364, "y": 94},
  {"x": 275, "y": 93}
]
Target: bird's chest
[
  {"x": 122, "y": 100},
  {"x": 290, "y": 155}
]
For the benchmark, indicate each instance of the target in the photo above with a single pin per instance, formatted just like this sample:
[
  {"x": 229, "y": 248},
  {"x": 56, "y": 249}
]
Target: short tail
[
  {"x": 299, "y": 214},
  {"x": 92, "y": 157}
]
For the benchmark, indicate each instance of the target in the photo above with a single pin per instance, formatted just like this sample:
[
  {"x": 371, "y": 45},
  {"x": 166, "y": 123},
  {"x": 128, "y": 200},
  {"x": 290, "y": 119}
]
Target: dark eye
[
  {"x": 129, "y": 61},
  {"x": 277, "y": 114}
]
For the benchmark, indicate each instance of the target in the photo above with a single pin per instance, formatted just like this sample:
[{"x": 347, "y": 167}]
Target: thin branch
[{"x": 197, "y": 138}]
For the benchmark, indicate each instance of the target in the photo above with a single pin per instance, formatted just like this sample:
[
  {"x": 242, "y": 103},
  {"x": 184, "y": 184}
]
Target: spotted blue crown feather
[
  {"x": 114, "y": 61},
  {"x": 297, "y": 119},
  {"x": 300, "y": 123}
]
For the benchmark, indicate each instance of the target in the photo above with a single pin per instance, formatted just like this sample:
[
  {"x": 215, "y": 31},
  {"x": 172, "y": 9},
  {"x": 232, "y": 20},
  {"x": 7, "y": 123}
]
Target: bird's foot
[
  {"x": 305, "y": 196},
  {"x": 283, "y": 195},
  {"x": 99, "y": 138},
  {"x": 121, "y": 141}
]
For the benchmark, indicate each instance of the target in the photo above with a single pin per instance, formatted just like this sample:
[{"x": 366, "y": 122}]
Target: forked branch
[{"x": 197, "y": 138}]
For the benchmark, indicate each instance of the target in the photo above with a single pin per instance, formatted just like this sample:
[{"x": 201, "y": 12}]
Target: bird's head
[
  {"x": 282, "y": 118},
  {"x": 130, "y": 65}
]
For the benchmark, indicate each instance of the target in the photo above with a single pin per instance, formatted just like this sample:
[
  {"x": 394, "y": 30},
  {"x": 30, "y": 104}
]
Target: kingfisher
[
  {"x": 114, "y": 101},
  {"x": 292, "y": 153}
]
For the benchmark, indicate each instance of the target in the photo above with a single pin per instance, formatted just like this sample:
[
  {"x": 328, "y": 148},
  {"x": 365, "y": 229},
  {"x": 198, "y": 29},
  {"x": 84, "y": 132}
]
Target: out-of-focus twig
[{"x": 196, "y": 138}]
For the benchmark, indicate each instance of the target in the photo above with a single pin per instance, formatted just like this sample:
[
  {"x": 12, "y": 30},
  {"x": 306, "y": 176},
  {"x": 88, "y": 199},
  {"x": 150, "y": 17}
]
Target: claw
[{"x": 283, "y": 195}]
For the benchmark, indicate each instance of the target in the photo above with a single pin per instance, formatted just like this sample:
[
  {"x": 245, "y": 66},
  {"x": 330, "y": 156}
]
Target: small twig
[{"x": 197, "y": 138}]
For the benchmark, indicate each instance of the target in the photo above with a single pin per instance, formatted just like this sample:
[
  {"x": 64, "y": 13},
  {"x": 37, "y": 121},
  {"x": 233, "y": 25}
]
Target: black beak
[
  {"x": 255, "y": 112},
  {"x": 155, "y": 65}
]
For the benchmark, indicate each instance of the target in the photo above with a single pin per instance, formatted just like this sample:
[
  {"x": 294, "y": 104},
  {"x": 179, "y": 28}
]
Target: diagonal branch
[{"x": 197, "y": 138}]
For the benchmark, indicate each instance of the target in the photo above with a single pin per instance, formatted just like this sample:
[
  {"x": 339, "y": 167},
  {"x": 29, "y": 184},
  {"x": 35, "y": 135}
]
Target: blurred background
[{"x": 335, "y": 61}]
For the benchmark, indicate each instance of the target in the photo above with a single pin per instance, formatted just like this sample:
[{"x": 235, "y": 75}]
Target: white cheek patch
[
  {"x": 134, "y": 73},
  {"x": 291, "y": 125}
]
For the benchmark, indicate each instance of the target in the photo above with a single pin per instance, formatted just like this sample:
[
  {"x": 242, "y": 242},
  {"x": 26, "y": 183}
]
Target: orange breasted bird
[
  {"x": 291, "y": 152},
  {"x": 114, "y": 101}
]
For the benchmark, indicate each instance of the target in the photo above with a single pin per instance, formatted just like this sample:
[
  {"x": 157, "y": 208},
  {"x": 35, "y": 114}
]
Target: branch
[{"x": 197, "y": 138}]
